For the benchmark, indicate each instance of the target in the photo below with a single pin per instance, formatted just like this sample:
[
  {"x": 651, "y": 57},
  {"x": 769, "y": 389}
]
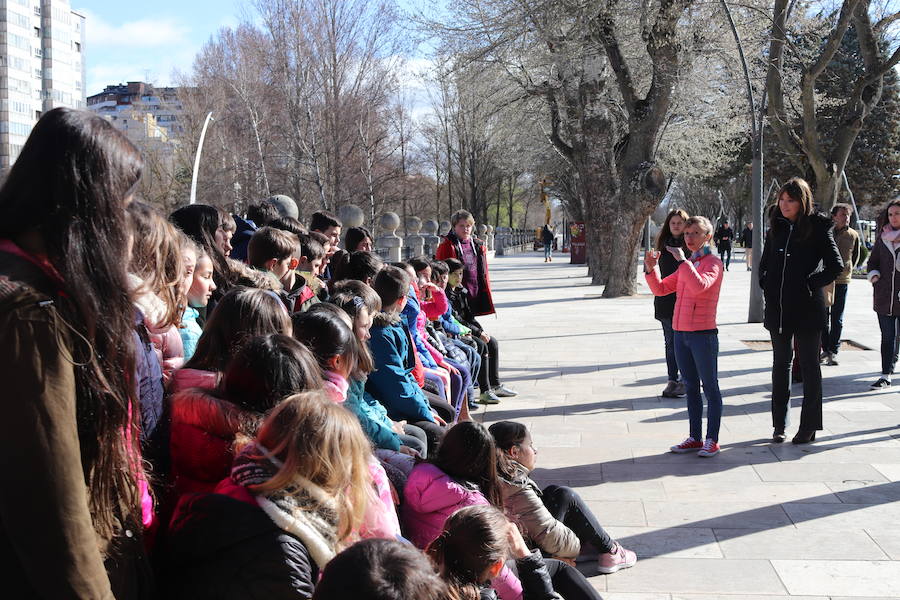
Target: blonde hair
[
  {"x": 322, "y": 442},
  {"x": 156, "y": 257},
  {"x": 461, "y": 215},
  {"x": 701, "y": 221}
]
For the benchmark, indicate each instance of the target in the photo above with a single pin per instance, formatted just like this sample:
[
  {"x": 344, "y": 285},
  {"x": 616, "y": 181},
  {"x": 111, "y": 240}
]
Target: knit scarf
[
  {"x": 302, "y": 509},
  {"x": 890, "y": 235}
]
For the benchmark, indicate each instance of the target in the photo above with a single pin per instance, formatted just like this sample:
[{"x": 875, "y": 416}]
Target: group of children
[{"x": 325, "y": 399}]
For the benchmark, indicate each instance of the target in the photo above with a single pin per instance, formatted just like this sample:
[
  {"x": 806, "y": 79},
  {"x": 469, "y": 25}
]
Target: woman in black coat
[{"x": 800, "y": 258}]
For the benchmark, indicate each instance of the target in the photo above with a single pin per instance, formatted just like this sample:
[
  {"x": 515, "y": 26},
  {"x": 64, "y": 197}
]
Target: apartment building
[
  {"x": 142, "y": 105},
  {"x": 41, "y": 67}
]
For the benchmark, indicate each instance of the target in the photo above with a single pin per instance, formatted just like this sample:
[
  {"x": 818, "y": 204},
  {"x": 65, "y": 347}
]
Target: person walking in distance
[
  {"x": 547, "y": 240},
  {"x": 848, "y": 244},
  {"x": 798, "y": 242},
  {"x": 698, "y": 280},
  {"x": 670, "y": 235},
  {"x": 884, "y": 273},
  {"x": 747, "y": 241},
  {"x": 723, "y": 239}
]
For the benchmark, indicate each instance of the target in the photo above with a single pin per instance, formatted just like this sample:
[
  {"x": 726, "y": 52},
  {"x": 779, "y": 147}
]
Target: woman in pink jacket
[{"x": 697, "y": 282}]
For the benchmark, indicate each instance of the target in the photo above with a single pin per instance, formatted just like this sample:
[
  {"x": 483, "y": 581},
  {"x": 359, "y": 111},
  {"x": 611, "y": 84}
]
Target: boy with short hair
[
  {"x": 328, "y": 225},
  {"x": 310, "y": 254},
  {"x": 391, "y": 382},
  {"x": 849, "y": 246},
  {"x": 272, "y": 250}
]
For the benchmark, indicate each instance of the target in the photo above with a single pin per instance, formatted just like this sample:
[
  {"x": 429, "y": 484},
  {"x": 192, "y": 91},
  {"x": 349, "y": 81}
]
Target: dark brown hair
[
  {"x": 468, "y": 453},
  {"x": 322, "y": 220},
  {"x": 69, "y": 185},
  {"x": 391, "y": 284},
  {"x": 354, "y": 236},
  {"x": 665, "y": 232},
  {"x": 241, "y": 314},
  {"x": 359, "y": 265},
  {"x": 311, "y": 247},
  {"x": 473, "y": 540},
  {"x": 883, "y": 215},
  {"x": 507, "y": 434},
  {"x": 378, "y": 569},
  {"x": 352, "y": 296},
  {"x": 798, "y": 190},
  {"x": 326, "y": 335},
  {"x": 268, "y": 243}
]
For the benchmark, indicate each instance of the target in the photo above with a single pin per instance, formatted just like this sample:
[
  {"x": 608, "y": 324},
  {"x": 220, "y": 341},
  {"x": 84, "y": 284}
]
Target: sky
[{"x": 148, "y": 41}]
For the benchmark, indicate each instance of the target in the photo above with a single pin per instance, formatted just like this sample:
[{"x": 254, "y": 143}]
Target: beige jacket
[{"x": 523, "y": 505}]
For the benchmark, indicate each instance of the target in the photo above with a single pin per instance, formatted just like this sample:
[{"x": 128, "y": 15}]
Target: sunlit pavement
[{"x": 758, "y": 521}]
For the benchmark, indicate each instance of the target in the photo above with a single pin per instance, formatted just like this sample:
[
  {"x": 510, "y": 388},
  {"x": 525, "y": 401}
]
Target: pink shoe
[
  {"x": 688, "y": 445},
  {"x": 619, "y": 558},
  {"x": 710, "y": 448}
]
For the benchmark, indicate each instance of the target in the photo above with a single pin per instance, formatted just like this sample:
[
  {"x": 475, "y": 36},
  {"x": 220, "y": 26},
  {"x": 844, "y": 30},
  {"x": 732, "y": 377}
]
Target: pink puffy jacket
[
  {"x": 430, "y": 497},
  {"x": 697, "y": 283}
]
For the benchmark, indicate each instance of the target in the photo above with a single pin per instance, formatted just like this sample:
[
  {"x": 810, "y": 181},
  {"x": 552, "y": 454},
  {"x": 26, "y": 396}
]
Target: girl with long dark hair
[
  {"x": 71, "y": 511},
  {"x": 670, "y": 236},
  {"x": 798, "y": 242}
]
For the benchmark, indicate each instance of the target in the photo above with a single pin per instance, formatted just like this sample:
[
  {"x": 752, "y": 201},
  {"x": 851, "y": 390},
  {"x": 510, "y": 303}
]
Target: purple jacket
[{"x": 430, "y": 497}]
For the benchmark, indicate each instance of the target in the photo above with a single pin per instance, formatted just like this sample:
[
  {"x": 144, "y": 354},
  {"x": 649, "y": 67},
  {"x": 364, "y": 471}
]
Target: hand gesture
[
  {"x": 438, "y": 419},
  {"x": 676, "y": 252},
  {"x": 517, "y": 546},
  {"x": 397, "y": 426},
  {"x": 651, "y": 259}
]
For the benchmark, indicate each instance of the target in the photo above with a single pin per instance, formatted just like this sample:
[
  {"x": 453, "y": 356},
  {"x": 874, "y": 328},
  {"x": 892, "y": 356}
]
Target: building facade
[
  {"x": 135, "y": 104},
  {"x": 41, "y": 67}
]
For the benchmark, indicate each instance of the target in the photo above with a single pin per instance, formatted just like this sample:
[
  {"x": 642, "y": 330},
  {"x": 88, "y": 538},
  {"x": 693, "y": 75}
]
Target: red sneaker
[
  {"x": 710, "y": 448},
  {"x": 688, "y": 445}
]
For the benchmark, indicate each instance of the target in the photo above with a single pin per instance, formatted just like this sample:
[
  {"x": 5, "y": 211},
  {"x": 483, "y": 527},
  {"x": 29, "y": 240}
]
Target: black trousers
[
  {"x": 808, "y": 344},
  {"x": 489, "y": 375},
  {"x": 566, "y": 506},
  {"x": 569, "y": 583}
]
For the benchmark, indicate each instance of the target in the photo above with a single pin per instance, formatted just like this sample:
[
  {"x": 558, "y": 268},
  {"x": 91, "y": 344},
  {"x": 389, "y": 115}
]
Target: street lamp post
[{"x": 197, "y": 159}]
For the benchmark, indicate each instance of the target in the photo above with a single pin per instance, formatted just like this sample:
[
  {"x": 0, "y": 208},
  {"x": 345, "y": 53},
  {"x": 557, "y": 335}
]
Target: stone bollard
[
  {"x": 389, "y": 244},
  {"x": 350, "y": 216},
  {"x": 489, "y": 237},
  {"x": 503, "y": 239},
  {"x": 285, "y": 205},
  {"x": 414, "y": 241},
  {"x": 444, "y": 228},
  {"x": 481, "y": 231},
  {"x": 429, "y": 233}
]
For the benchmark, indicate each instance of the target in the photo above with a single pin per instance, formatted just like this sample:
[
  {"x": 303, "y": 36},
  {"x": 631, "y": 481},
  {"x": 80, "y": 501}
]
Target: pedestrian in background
[
  {"x": 848, "y": 244},
  {"x": 723, "y": 239},
  {"x": 884, "y": 273},
  {"x": 670, "y": 236},
  {"x": 747, "y": 241}
]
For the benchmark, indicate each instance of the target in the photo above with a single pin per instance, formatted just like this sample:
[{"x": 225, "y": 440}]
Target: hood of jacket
[{"x": 386, "y": 319}]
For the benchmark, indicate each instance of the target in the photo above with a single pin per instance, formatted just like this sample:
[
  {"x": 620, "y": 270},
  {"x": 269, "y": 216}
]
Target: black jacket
[
  {"x": 459, "y": 304},
  {"x": 223, "y": 548},
  {"x": 724, "y": 236},
  {"x": 793, "y": 271},
  {"x": 664, "y": 306},
  {"x": 886, "y": 292}
]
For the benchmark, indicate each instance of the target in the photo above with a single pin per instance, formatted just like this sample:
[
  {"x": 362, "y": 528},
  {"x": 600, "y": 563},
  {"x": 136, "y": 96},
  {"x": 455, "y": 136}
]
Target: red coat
[
  {"x": 697, "y": 284},
  {"x": 450, "y": 247}
]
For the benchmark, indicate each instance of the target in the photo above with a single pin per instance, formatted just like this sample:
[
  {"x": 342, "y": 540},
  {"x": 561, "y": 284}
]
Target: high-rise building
[
  {"x": 129, "y": 105},
  {"x": 41, "y": 67}
]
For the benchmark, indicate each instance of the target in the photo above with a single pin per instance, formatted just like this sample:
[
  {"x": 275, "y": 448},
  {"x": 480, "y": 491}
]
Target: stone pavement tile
[
  {"x": 888, "y": 539},
  {"x": 689, "y": 575},
  {"x": 861, "y": 492},
  {"x": 635, "y": 596},
  {"x": 745, "y": 515},
  {"x": 844, "y": 516},
  {"x": 556, "y": 440},
  {"x": 855, "y": 406},
  {"x": 670, "y": 542},
  {"x": 622, "y": 513},
  {"x": 763, "y": 492},
  {"x": 589, "y": 471},
  {"x": 743, "y": 597},
  {"x": 621, "y": 490},
  {"x": 817, "y": 472},
  {"x": 743, "y": 455},
  {"x": 890, "y": 471},
  {"x": 708, "y": 469},
  {"x": 792, "y": 543},
  {"x": 877, "y": 579},
  {"x": 550, "y": 457}
]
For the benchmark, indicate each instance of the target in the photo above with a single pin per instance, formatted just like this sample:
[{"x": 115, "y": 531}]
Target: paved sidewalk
[{"x": 758, "y": 521}]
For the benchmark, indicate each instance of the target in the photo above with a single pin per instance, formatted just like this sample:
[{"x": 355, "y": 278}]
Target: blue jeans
[
  {"x": 834, "y": 325},
  {"x": 548, "y": 250},
  {"x": 890, "y": 342},
  {"x": 669, "y": 338},
  {"x": 698, "y": 360}
]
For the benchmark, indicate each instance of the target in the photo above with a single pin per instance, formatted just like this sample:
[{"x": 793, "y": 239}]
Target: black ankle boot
[
  {"x": 804, "y": 437},
  {"x": 778, "y": 436}
]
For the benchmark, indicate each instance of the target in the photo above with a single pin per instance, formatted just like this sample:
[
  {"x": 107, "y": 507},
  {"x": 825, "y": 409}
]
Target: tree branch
[
  {"x": 561, "y": 146},
  {"x": 775, "y": 87},
  {"x": 607, "y": 36}
]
